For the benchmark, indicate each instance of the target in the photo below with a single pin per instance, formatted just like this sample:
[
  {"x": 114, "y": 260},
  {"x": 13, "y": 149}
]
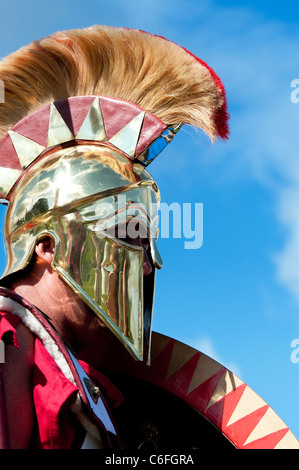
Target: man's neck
[{"x": 75, "y": 322}]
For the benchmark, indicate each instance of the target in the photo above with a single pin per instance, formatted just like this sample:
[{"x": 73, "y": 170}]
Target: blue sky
[{"x": 237, "y": 297}]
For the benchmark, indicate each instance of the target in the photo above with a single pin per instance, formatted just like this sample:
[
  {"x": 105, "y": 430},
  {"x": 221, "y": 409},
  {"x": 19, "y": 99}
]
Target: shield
[{"x": 186, "y": 400}]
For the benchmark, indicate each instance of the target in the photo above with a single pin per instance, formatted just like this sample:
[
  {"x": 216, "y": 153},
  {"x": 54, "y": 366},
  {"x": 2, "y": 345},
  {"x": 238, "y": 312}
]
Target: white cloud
[
  {"x": 257, "y": 60},
  {"x": 206, "y": 346}
]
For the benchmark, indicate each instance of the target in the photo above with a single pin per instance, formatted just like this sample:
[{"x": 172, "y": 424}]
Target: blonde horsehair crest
[{"x": 158, "y": 75}]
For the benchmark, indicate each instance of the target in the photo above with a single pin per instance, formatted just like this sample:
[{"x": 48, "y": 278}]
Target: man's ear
[{"x": 45, "y": 249}]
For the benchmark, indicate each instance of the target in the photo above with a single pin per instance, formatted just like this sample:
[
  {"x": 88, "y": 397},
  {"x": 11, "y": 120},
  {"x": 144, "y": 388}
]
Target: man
[{"x": 85, "y": 112}]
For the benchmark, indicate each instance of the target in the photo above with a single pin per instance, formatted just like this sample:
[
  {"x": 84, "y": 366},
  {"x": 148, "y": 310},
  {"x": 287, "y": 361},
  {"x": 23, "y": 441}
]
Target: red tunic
[{"x": 57, "y": 427}]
